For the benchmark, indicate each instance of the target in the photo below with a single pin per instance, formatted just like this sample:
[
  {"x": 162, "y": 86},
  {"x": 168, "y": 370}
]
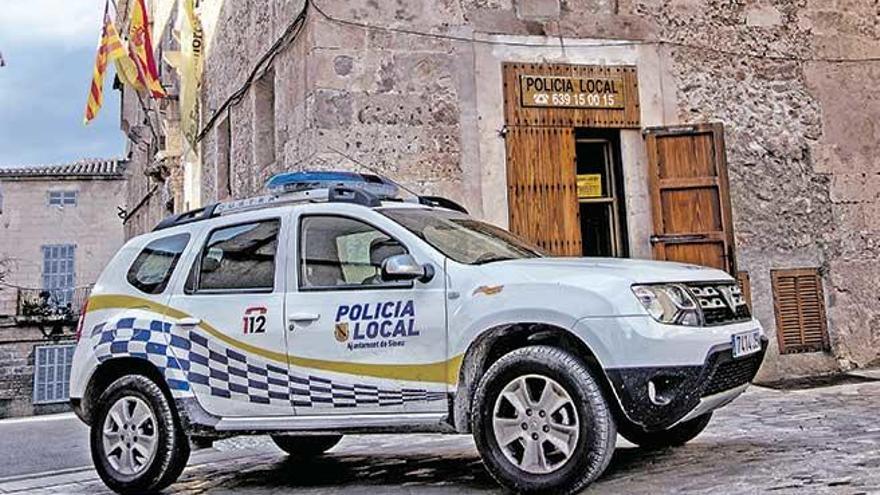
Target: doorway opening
[{"x": 600, "y": 193}]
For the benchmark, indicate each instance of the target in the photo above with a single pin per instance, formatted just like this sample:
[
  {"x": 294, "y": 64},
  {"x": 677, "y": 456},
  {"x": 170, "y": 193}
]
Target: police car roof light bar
[{"x": 301, "y": 181}]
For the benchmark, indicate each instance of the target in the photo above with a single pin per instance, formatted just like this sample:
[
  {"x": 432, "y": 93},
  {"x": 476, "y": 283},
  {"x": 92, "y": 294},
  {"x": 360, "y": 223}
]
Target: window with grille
[
  {"x": 62, "y": 198},
  {"x": 58, "y": 273},
  {"x": 52, "y": 373},
  {"x": 800, "y": 310}
]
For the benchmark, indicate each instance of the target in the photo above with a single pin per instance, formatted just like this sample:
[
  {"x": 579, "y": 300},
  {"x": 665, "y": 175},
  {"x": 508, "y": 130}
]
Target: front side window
[
  {"x": 153, "y": 267},
  {"x": 239, "y": 257},
  {"x": 62, "y": 198},
  {"x": 462, "y": 238},
  {"x": 343, "y": 252}
]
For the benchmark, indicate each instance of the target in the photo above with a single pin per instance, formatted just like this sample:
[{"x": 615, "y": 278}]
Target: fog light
[{"x": 661, "y": 390}]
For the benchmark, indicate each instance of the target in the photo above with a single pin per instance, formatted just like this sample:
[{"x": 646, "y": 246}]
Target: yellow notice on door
[{"x": 589, "y": 185}]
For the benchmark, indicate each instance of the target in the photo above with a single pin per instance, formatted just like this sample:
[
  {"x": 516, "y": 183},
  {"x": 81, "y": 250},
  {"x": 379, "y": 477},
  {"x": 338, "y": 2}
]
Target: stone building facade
[
  {"x": 416, "y": 90},
  {"x": 59, "y": 226}
]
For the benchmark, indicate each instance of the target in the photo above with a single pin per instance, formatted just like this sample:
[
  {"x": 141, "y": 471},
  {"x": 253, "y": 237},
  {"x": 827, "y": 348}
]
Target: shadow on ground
[
  {"x": 335, "y": 470},
  {"x": 406, "y": 471}
]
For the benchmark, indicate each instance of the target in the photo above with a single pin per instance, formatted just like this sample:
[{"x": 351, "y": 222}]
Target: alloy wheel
[
  {"x": 536, "y": 424},
  {"x": 130, "y": 436}
]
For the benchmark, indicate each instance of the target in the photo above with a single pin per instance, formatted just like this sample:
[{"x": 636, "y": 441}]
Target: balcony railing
[{"x": 51, "y": 305}]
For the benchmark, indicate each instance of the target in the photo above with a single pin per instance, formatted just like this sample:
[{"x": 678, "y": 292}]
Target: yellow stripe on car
[{"x": 438, "y": 372}]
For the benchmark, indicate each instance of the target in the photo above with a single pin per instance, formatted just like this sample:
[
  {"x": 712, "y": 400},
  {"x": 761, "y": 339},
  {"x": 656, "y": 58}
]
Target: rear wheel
[
  {"x": 673, "y": 437},
  {"x": 136, "y": 441},
  {"x": 541, "y": 423},
  {"x": 306, "y": 446}
]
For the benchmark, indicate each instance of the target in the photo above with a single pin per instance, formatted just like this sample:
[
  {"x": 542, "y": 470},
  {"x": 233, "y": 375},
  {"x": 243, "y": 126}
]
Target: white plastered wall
[{"x": 656, "y": 98}]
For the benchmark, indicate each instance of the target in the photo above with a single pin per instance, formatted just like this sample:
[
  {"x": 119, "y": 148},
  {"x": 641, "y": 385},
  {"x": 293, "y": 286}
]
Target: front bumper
[{"x": 657, "y": 398}]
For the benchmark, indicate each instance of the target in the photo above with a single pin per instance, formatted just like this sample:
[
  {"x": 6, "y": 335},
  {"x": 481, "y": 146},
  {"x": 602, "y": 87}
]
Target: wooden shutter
[
  {"x": 542, "y": 189},
  {"x": 689, "y": 195},
  {"x": 800, "y": 310}
]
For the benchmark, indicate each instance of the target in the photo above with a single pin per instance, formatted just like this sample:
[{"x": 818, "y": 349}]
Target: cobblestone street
[{"x": 822, "y": 440}]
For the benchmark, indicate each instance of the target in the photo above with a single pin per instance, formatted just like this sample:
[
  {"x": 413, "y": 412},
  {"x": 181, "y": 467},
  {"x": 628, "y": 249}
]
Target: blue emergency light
[{"x": 288, "y": 182}]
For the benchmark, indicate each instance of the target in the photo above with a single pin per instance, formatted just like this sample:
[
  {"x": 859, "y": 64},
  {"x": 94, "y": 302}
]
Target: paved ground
[
  {"x": 44, "y": 443},
  {"x": 824, "y": 440}
]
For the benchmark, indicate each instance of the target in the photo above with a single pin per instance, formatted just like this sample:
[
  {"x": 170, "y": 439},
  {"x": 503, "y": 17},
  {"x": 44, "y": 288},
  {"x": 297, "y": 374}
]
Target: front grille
[
  {"x": 732, "y": 373},
  {"x": 721, "y": 303}
]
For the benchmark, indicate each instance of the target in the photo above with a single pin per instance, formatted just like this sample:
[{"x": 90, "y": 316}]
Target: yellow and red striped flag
[
  {"x": 110, "y": 48},
  {"x": 141, "y": 49}
]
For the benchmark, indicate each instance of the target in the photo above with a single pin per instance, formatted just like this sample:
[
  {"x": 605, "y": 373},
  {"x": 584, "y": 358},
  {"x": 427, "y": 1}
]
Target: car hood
[{"x": 593, "y": 270}]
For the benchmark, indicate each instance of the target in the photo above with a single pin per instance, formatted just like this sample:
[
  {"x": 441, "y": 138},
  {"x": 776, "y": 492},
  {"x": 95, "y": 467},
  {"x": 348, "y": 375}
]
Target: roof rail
[
  {"x": 334, "y": 194},
  {"x": 187, "y": 217}
]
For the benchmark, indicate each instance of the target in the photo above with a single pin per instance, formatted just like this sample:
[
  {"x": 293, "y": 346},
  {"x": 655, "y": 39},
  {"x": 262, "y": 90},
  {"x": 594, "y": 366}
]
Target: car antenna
[{"x": 373, "y": 170}]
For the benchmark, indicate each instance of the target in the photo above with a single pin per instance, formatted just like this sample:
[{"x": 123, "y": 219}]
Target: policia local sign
[
  {"x": 572, "y": 92},
  {"x": 567, "y": 96}
]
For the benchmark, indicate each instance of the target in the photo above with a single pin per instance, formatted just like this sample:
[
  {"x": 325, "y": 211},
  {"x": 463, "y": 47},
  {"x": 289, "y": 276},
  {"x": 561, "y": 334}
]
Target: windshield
[{"x": 462, "y": 238}]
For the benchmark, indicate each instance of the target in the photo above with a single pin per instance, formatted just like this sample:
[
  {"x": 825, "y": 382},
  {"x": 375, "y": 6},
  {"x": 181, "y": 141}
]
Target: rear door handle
[
  {"x": 303, "y": 317},
  {"x": 189, "y": 321}
]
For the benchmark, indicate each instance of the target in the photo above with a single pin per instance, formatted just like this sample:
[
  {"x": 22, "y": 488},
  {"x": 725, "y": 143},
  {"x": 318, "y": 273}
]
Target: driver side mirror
[{"x": 405, "y": 267}]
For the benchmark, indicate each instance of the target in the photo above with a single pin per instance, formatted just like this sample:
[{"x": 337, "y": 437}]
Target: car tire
[
  {"x": 572, "y": 414},
  {"x": 673, "y": 437},
  {"x": 305, "y": 446},
  {"x": 137, "y": 443}
]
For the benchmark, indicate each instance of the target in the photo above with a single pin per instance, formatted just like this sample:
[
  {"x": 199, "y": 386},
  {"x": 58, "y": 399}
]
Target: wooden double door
[{"x": 690, "y": 201}]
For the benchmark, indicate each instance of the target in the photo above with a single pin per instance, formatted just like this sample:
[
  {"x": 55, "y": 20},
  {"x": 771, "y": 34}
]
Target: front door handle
[
  {"x": 189, "y": 321},
  {"x": 303, "y": 317}
]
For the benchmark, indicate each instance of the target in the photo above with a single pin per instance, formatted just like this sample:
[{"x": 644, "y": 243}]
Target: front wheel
[
  {"x": 673, "y": 437},
  {"x": 541, "y": 423},
  {"x": 136, "y": 441}
]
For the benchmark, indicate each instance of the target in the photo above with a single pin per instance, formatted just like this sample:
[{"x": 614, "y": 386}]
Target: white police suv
[{"x": 333, "y": 307}]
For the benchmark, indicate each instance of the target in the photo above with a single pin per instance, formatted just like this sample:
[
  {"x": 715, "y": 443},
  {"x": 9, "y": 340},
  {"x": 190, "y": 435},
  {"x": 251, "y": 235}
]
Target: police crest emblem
[{"x": 342, "y": 332}]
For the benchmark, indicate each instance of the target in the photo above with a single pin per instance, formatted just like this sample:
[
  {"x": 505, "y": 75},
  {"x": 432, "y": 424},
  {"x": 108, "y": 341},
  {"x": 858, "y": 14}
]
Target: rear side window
[
  {"x": 240, "y": 257},
  {"x": 154, "y": 265}
]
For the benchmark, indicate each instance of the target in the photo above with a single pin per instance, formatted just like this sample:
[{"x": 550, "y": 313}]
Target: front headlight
[{"x": 669, "y": 303}]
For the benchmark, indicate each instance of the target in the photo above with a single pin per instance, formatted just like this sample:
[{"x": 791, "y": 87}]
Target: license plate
[{"x": 746, "y": 343}]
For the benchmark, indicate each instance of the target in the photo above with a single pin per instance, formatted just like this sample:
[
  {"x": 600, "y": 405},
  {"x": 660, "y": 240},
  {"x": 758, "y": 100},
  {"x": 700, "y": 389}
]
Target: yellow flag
[
  {"x": 127, "y": 72},
  {"x": 189, "y": 62}
]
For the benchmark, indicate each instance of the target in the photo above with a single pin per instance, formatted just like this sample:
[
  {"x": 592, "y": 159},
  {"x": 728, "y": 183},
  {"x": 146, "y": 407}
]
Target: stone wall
[
  {"x": 801, "y": 145},
  {"x": 800, "y": 121},
  {"x": 149, "y": 194},
  {"x": 17, "y": 345}
]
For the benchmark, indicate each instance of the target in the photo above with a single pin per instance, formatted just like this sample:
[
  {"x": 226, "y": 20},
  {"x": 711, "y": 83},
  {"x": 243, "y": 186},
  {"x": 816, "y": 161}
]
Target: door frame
[{"x": 616, "y": 174}]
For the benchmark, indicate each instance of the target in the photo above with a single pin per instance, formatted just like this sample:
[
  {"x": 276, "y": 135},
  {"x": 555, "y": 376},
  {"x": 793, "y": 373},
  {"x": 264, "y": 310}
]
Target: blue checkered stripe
[
  {"x": 146, "y": 339},
  {"x": 203, "y": 365}
]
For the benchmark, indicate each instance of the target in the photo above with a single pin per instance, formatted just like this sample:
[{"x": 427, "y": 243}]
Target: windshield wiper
[{"x": 489, "y": 258}]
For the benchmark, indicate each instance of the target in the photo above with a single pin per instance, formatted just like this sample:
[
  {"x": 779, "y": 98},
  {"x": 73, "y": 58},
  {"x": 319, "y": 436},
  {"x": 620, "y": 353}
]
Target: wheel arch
[
  {"x": 111, "y": 370},
  {"x": 497, "y": 341}
]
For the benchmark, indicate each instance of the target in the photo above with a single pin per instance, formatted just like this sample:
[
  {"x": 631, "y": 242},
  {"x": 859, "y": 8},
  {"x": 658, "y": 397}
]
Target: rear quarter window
[{"x": 154, "y": 265}]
